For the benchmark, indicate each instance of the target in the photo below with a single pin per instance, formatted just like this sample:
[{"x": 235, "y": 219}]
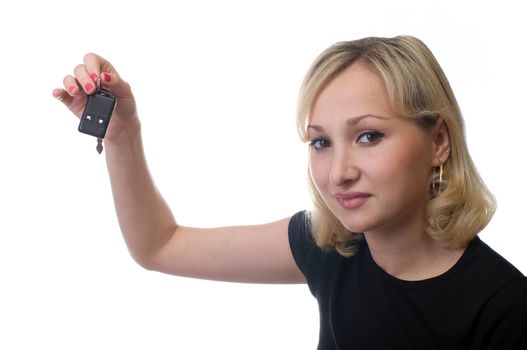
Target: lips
[{"x": 351, "y": 200}]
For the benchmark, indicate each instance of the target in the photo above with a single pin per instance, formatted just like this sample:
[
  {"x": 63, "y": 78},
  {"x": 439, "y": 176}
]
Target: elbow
[
  {"x": 147, "y": 262},
  {"x": 153, "y": 257}
]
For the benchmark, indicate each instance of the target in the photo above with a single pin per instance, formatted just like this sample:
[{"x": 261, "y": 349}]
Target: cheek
[
  {"x": 318, "y": 170},
  {"x": 407, "y": 171}
]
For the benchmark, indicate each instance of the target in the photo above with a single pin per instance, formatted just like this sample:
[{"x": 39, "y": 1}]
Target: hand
[{"x": 78, "y": 87}]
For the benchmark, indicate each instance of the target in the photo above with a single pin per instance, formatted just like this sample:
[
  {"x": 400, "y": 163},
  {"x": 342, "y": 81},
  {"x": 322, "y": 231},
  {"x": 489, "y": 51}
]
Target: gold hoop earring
[
  {"x": 440, "y": 177},
  {"x": 437, "y": 181}
]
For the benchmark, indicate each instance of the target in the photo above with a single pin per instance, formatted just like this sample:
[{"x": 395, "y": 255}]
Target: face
[{"x": 370, "y": 165}]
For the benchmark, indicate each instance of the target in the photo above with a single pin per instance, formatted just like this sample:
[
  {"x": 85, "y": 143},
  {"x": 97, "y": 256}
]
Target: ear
[{"x": 441, "y": 143}]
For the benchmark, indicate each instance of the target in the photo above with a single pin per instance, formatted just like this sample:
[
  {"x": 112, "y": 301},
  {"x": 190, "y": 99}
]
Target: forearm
[{"x": 144, "y": 217}]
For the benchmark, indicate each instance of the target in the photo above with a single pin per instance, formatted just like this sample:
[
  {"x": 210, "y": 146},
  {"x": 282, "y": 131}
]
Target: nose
[{"x": 344, "y": 169}]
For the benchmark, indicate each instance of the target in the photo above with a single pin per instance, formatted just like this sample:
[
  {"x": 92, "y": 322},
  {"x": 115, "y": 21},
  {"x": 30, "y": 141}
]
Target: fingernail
[
  {"x": 88, "y": 87},
  {"x": 72, "y": 89},
  {"x": 107, "y": 78},
  {"x": 94, "y": 76},
  {"x": 57, "y": 94}
]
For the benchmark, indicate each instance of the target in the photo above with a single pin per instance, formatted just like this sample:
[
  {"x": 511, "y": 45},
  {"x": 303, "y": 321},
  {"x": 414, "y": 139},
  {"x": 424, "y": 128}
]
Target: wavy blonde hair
[{"x": 417, "y": 88}]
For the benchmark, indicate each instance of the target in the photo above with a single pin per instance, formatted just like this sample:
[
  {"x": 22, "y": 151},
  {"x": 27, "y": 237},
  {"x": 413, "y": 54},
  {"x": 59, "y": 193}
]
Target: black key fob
[{"x": 97, "y": 113}]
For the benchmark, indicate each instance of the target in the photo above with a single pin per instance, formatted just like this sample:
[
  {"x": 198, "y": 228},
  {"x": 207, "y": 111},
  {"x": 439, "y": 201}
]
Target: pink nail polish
[
  {"x": 72, "y": 89},
  {"x": 107, "y": 78},
  {"x": 94, "y": 76},
  {"x": 88, "y": 87}
]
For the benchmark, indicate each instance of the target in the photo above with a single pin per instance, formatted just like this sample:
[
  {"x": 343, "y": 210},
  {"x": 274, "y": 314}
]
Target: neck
[{"x": 410, "y": 254}]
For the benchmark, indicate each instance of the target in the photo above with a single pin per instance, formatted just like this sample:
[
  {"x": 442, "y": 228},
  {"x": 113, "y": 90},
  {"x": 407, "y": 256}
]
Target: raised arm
[{"x": 244, "y": 253}]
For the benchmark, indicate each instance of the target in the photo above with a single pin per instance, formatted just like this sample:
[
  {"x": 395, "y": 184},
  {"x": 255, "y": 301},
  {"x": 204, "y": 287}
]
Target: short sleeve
[
  {"x": 308, "y": 256},
  {"x": 503, "y": 322}
]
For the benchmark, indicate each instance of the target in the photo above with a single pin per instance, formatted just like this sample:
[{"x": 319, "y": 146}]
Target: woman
[{"x": 390, "y": 250}]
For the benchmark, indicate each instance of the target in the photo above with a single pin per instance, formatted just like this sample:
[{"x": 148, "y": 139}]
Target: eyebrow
[{"x": 351, "y": 122}]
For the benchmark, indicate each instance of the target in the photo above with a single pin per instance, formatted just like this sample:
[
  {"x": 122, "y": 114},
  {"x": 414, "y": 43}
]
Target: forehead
[{"x": 358, "y": 90}]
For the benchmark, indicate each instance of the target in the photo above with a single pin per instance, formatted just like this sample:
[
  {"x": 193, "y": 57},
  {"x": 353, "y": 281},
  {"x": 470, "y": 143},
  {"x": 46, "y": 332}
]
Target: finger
[
  {"x": 107, "y": 74},
  {"x": 92, "y": 64},
  {"x": 73, "y": 103},
  {"x": 71, "y": 85},
  {"x": 62, "y": 95},
  {"x": 114, "y": 83},
  {"x": 84, "y": 79},
  {"x": 95, "y": 64},
  {"x": 72, "y": 95}
]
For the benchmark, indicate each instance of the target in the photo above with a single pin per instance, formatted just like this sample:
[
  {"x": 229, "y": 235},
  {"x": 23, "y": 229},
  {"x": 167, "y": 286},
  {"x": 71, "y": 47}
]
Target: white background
[{"x": 216, "y": 84}]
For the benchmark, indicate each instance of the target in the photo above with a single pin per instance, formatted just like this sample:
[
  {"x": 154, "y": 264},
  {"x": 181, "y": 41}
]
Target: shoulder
[
  {"x": 511, "y": 299},
  {"x": 501, "y": 324},
  {"x": 502, "y": 289},
  {"x": 510, "y": 294},
  {"x": 486, "y": 268},
  {"x": 312, "y": 260},
  {"x": 303, "y": 246},
  {"x": 300, "y": 238}
]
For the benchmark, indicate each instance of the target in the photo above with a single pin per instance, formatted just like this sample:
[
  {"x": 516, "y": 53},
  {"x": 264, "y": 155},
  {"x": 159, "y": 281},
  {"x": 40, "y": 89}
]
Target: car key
[{"x": 97, "y": 114}]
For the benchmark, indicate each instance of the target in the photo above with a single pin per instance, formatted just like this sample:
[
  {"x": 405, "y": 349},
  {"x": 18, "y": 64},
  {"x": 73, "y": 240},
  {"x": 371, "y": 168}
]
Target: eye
[
  {"x": 320, "y": 144},
  {"x": 370, "y": 137}
]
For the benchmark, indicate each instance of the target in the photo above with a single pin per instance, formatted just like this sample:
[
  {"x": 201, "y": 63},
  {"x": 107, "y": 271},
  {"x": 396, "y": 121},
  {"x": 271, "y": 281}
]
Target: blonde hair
[{"x": 417, "y": 88}]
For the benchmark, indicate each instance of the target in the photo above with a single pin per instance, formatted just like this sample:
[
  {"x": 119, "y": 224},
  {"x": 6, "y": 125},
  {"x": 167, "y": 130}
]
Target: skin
[
  {"x": 157, "y": 242},
  {"x": 152, "y": 235},
  {"x": 360, "y": 144}
]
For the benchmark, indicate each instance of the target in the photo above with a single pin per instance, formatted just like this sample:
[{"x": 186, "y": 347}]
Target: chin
[
  {"x": 354, "y": 224},
  {"x": 356, "y": 228}
]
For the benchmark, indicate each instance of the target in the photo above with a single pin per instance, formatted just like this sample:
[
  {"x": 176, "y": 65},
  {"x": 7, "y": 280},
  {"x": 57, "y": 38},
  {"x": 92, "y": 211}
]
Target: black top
[{"x": 480, "y": 303}]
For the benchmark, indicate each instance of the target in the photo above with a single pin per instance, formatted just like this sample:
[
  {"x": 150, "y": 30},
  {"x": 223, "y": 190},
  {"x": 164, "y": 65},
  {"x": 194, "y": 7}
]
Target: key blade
[{"x": 99, "y": 147}]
